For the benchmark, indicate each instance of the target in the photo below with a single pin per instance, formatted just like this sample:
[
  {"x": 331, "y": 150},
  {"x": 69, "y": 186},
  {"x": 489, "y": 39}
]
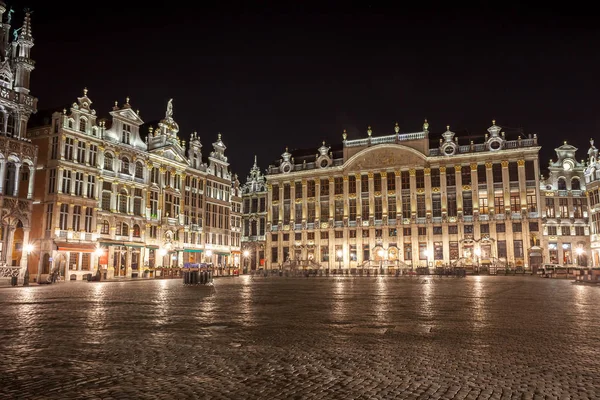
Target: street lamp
[
  {"x": 98, "y": 252},
  {"x": 246, "y": 254},
  {"x": 339, "y": 256},
  {"x": 28, "y": 249},
  {"x": 380, "y": 253},
  {"x": 579, "y": 252},
  {"x": 477, "y": 254},
  {"x": 428, "y": 255}
]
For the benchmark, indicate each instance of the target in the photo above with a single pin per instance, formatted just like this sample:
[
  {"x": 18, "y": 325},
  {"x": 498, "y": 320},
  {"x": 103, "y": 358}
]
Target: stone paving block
[{"x": 344, "y": 338}]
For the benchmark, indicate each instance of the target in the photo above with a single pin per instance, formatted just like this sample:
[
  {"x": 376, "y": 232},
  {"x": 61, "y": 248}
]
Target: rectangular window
[
  {"x": 352, "y": 209},
  {"x": 420, "y": 178},
  {"x": 550, "y": 211},
  {"x": 311, "y": 189},
  {"x": 513, "y": 171},
  {"x": 497, "y": 173},
  {"x": 435, "y": 177},
  {"x": 481, "y": 174},
  {"x": 421, "y": 211},
  {"x": 338, "y": 185},
  {"x": 452, "y": 207},
  {"x": 406, "y": 207},
  {"x": 391, "y": 181},
  {"x": 467, "y": 203},
  {"x": 377, "y": 182},
  {"x": 450, "y": 177},
  {"x": 352, "y": 184},
  {"x": 465, "y": 174},
  {"x": 405, "y": 180},
  {"x": 501, "y": 248},
  {"x": 378, "y": 208},
  {"x": 392, "y": 207}
]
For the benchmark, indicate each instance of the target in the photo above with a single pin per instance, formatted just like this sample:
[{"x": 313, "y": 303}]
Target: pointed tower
[
  {"x": 22, "y": 62},
  {"x": 217, "y": 160},
  {"x": 195, "y": 151}
]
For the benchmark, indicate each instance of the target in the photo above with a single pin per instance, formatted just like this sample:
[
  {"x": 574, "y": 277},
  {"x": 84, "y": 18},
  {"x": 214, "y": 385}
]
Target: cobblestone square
[{"x": 297, "y": 338}]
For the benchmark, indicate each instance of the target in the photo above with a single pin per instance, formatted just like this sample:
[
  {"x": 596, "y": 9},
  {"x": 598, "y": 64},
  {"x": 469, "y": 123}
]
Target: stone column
[
  {"x": 31, "y": 181},
  {"x": 2, "y": 174}
]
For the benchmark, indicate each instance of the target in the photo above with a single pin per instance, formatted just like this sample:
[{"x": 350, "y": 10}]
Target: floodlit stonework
[
  {"x": 394, "y": 202},
  {"x": 113, "y": 201},
  {"x": 18, "y": 156}
]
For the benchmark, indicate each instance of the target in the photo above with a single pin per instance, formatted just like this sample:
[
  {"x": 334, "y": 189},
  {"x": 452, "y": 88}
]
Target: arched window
[
  {"x": 136, "y": 231},
  {"x": 9, "y": 180},
  {"x": 82, "y": 124},
  {"x": 562, "y": 184},
  {"x": 70, "y": 123},
  {"x": 125, "y": 165},
  {"x": 575, "y": 184},
  {"x": 123, "y": 201},
  {"x": 105, "y": 230},
  {"x": 108, "y": 161},
  {"x": 124, "y": 229},
  {"x": 139, "y": 170}
]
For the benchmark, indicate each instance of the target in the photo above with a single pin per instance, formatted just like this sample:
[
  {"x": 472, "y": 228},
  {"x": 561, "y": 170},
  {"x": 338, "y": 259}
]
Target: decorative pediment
[
  {"x": 173, "y": 154},
  {"x": 128, "y": 114},
  {"x": 385, "y": 156}
]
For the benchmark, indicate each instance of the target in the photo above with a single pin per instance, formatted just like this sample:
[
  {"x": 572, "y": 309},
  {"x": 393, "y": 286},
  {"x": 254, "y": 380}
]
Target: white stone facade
[
  {"x": 18, "y": 156},
  {"x": 393, "y": 202},
  {"x": 147, "y": 205}
]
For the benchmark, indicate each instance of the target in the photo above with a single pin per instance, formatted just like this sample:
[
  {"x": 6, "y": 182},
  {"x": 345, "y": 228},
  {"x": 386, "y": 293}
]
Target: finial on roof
[
  {"x": 65, "y": 111},
  {"x": 425, "y": 125},
  {"x": 592, "y": 141},
  {"x": 493, "y": 122},
  {"x": 369, "y": 130},
  {"x": 286, "y": 149},
  {"x": 396, "y": 128},
  {"x": 137, "y": 112},
  {"x": 255, "y": 159},
  {"x": 323, "y": 143},
  {"x": 448, "y": 127},
  {"x": 344, "y": 135},
  {"x": 85, "y": 91},
  {"x": 219, "y": 136},
  {"x": 116, "y": 103},
  {"x": 565, "y": 142},
  {"x": 127, "y": 100}
]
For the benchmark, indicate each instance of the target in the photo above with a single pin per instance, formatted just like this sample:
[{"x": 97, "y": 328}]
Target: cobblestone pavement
[{"x": 301, "y": 338}]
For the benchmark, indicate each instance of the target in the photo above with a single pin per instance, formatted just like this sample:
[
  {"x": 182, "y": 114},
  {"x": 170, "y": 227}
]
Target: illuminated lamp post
[
  {"x": 339, "y": 257},
  {"x": 478, "y": 255},
  {"x": 98, "y": 252}
]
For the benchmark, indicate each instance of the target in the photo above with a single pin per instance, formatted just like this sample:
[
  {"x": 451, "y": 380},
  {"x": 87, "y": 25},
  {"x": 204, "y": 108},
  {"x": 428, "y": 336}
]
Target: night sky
[{"x": 269, "y": 76}]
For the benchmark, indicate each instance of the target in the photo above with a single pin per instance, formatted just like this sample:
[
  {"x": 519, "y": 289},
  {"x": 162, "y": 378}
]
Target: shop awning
[
  {"x": 221, "y": 253},
  {"x": 77, "y": 247},
  {"x": 193, "y": 250}
]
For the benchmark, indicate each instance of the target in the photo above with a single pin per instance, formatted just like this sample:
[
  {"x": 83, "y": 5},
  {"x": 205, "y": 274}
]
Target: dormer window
[
  {"x": 126, "y": 134},
  {"x": 82, "y": 124},
  {"x": 5, "y": 81}
]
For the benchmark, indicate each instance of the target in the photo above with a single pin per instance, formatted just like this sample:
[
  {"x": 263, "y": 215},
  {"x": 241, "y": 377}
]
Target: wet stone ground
[{"x": 301, "y": 338}]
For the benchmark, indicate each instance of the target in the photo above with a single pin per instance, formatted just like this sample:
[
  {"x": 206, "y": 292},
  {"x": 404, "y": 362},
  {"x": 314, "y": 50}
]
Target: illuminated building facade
[
  {"x": 254, "y": 196},
  {"x": 565, "y": 210},
  {"x": 395, "y": 202},
  {"x": 119, "y": 204},
  {"x": 592, "y": 182},
  {"x": 18, "y": 156}
]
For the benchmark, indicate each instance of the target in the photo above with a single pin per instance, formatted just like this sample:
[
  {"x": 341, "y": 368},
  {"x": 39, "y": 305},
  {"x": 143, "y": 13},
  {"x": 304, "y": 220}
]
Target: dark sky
[{"x": 269, "y": 76}]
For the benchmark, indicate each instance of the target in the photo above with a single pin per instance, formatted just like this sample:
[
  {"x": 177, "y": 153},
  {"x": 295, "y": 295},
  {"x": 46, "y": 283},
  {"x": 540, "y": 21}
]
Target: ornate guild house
[
  {"x": 254, "y": 196},
  {"x": 565, "y": 210},
  {"x": 119, "y": 204},
  {"x": 18, "y": 156},
  {"x": 394, "y": 201}
]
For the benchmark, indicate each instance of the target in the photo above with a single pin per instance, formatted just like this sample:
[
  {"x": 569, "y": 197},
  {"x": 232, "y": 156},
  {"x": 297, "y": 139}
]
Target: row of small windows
[
  {"x": 561, "y": 184},
  {"x": 83, "y": 124},
  {"x": 435, "y": 177},
  {"x": 363, "y": 209},
  {"x": 468, "y": 229}
]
